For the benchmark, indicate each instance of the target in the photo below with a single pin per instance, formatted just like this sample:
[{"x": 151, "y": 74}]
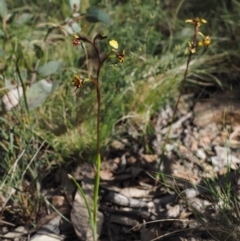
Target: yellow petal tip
[{"x": 113, "y": 43}]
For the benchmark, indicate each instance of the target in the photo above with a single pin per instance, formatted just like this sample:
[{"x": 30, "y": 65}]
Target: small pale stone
[
  {"x": 190, "y": 193},
  {"x": 11, "y": 99},
  {"x": 201, "y": 154}
]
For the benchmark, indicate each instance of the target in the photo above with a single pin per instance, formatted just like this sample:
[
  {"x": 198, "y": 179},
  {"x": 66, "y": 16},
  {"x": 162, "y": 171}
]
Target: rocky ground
[{"x": 195, "y": 199}]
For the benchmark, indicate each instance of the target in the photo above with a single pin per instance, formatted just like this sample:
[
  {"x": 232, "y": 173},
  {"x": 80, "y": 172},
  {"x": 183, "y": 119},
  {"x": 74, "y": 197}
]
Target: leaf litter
[{"x": 131, "y": 205}]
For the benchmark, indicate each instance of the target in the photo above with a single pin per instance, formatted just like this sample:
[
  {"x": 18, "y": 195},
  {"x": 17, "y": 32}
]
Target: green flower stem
[
  {"x": 23, "y": 86},
  {"x": 98, "y": 164},
  {"x": 94, "y": 214},
  {"x": 96, "y": 190}
]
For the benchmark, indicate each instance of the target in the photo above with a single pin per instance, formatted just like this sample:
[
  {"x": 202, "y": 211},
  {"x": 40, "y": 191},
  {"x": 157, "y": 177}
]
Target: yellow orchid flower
[
  {"x": 196, "y": 21},
  {"x": 77, "y": 81}
]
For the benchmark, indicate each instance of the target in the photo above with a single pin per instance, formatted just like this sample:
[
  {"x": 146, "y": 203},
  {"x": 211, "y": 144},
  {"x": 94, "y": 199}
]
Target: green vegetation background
[{"x": 154, "y": 36}]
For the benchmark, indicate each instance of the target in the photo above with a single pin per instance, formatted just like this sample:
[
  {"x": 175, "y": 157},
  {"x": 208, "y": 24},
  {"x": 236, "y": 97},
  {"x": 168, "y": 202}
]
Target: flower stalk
[
  {"x": 192, "y": 49},
  {"x": 78, "y": 82}
]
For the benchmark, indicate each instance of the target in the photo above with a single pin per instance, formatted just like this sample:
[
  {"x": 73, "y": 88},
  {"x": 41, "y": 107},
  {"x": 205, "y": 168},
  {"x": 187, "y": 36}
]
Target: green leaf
[
  {"x": 95, "y": 14},
  {"x": 3, "y": 9},
  {"x": 38, "y": 93},
  {"x": 49, "y": 68}
]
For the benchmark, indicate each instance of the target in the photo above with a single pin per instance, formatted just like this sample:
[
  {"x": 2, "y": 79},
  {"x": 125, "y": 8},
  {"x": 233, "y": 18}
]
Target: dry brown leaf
[
  {"x": 224, "y": 106},
  {"x": 66, "y": 184},
  {"x": 136, "y": 192},
  {"x": 173, "y": 211},
  {"x": 80, "y": 218},
  {"x": 135, "y": 171},
  {"x": 119, "y": 145},
  {"x": 111, "y": 165},
  {"x": 149, "y": 233},
  {"x": 123, "y": 220},
  {"x": 122, "y": 200},
  {"x": 106, "y": 175},
  {"x": 184, "y": 214},
  {"x": 150, "y": 158},
  {"x": 49, "y": 231},
  {"x": 46, "y": 219},
  {"x": 17, "y": 232},
  {"x": 58, "y": 201},
  {"x": 123, "y": 177},
  {"x": 132, "y": 160},
  {"x": 79, "y": 214},
  {"x": 61, "y": 204}
]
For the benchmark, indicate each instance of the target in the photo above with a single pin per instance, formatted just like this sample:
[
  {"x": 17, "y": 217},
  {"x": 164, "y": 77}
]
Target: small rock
[
  {"x": 201, "y": 154},
  {"x": 173, "y": 211},
  {"x": 190, "y": 193}
]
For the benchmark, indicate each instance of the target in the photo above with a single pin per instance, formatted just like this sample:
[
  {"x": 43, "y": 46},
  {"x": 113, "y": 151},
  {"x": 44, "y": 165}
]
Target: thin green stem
[
  {"x": 93, "y": 216},
  {"x": 98, "y": 164},
  {"x": 96, "y": 190},
  {"x": 23, "y": 86}
]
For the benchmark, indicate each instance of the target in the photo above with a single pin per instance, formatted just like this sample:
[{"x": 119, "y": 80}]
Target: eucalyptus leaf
[
  {"x": 55, "y": 84},
  {"x": 76, "y": 27},
  {"x": 23, "y": 76},
  {"x": 1, "y": 33},
  {"x": 37, "y": 94},
  {"x": 71, "y": 26},
  {"x": 95, "y": 14},
  {"x": 1, "y": 53},
  {"x": 23, "y": 18},
  {"x": 75, "y": 3},
  {"x": 49, "y": 68},
  {"x": 68, "y": 29},
  {"x": 8, "y": 83},
  {"x": 3, "y": 9}
]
